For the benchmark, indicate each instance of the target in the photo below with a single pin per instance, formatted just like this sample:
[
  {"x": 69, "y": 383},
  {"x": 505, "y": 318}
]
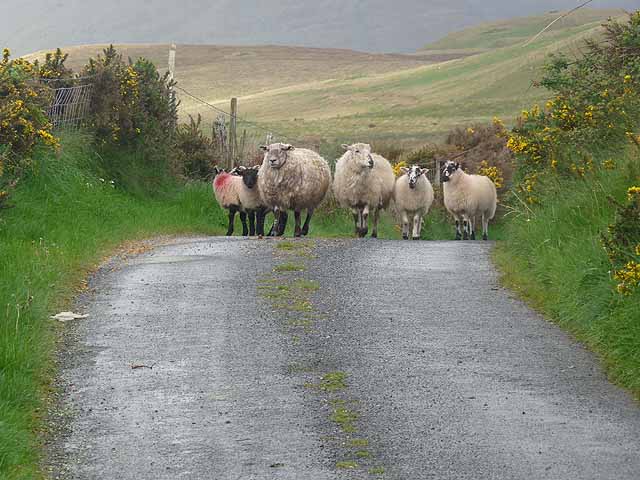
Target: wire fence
[
  {"x": 70, "y": 106},
  {"x": 238, "y": 138}
]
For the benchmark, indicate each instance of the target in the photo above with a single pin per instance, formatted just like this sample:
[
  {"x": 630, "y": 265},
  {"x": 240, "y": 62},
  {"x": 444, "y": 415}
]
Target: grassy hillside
[
  {"x": 516, "y": 31},
  {"x": 219, "y": 72},
  {"x": 326, "y": 95},
  {"x": 412, "y": 105}
]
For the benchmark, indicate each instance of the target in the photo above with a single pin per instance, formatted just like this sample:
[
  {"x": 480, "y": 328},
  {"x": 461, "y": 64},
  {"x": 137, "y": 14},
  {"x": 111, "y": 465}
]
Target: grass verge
[{"x": 553, "y": 258}]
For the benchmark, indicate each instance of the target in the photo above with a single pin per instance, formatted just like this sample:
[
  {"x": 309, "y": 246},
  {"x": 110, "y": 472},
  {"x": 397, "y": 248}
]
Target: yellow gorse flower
[
  {"x": 494, "y": 173},
  {"x": 397, "y": 168},
  {"x": 633, "y": 193}
]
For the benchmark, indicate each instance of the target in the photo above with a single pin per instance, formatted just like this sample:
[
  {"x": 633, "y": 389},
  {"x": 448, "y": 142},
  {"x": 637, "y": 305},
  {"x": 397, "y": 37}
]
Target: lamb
[
  {"x": 413, "y": 196},
  {"x": 292, "y": 179},
  {"x": 236, "y": 191},
  {"x": 250, "y": 199},
  {"x": 466, "y": 196},
  {"x": 363, "y": 182}
]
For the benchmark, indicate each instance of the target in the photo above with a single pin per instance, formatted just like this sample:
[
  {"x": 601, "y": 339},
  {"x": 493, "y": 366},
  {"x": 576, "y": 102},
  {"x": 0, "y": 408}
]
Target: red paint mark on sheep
[{"x": 222, "y": 180}]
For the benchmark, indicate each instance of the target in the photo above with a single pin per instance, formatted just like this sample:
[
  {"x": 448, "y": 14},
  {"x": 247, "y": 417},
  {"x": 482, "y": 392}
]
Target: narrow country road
[{"x": 220, "y": 358}]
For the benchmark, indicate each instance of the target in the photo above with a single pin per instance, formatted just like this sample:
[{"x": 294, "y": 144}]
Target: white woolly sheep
[
  {"x": 363, "y": 182},
  {"x": 293, "y": 179},
  {"x": 236, "y": 191},
  {"x": 466, "y": 196},
  {"x": 413, "y": 196}
]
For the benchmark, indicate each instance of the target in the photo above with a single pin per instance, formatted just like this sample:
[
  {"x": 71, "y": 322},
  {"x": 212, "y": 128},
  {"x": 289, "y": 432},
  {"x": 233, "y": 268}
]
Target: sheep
[
  {"x": 363, "y": 182},
  {"x": 413, "y": 196},
  {"x": 236, "y": 191},
  {"x": 250, "y": 199},
  {"x": 466, "y": 196},
  {"x": 292, "y": 179}
]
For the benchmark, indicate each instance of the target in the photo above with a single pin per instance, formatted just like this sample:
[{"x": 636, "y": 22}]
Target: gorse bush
[
  {"x": 622, "y": 243},
  {"x": 594, "y": 109},
  {"x": 24, "y": 125},
  {"x": 54, "y": 68},
  {"x": 131, "y": 103},
  {"x": 196, "y": 153},
  {"x": 23, "y": 101}
]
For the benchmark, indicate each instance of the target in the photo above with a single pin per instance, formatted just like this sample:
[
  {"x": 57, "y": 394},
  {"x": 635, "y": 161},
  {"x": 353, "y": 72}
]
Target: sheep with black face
[
  {"x": 467, "y": 196},
  {"x": 292, "y": 179},
  {"x": 250, "y": 199},
  {"x": 413, "y": 196},
  {"x": 363, "y": 182}
]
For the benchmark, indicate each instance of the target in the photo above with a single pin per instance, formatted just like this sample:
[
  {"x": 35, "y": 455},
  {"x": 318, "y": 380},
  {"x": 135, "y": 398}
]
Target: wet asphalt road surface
[{"x": 234, "y": 359}]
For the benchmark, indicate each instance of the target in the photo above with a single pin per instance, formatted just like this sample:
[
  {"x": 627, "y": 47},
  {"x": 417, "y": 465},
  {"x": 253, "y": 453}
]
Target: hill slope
[
  {"x": 515, "y": 31},
  {"x": 412, "y": 105},
  {"x": 313, "y": 94}
]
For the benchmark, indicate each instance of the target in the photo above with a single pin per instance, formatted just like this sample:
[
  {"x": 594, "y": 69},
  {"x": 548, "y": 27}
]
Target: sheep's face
[
  {"x": 249, "y": 175},
  {"x": 449, "y": 170},
  {"x": 276, "y": 154},
  {"x": 413, "y": 174},
  {"x": 361, "y": 155}
]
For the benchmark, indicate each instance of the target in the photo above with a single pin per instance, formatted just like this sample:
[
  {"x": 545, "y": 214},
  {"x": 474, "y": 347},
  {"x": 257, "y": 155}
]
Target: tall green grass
[
  {"x": 68, "y": 215},
  {"x": 553, "y": 257}
]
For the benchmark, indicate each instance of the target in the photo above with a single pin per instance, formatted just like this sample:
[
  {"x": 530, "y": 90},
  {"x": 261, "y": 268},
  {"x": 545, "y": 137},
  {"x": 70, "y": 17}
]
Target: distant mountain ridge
[{"x": 365, "y": 25}]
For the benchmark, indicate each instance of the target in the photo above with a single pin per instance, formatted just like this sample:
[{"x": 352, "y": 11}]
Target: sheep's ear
[
  {"x": 346, "y": 147},
  {"x": 287, "y": 148},
  {"x": 425, "y": 171},
  {"x": 256, "y": 167},
  {"x": 264, "y": 148},
  {"x": 405, "y": 169},
  {"x": 457, "y": 165}
]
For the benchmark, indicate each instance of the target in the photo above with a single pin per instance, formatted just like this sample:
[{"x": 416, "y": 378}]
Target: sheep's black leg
[
  {"x": 355, "y": 220},
  {"x": 252, "y": 222},
  {"x": 465, "y": 230},
  {"x": 307, "y": 222},
  {"x": 283, "y": 217},
  {"x": 458, "y": 236},
  {"x": 243, "y": 219},
  {"x": 297, "y": 230},
  {"x": 261, "y": 213},
  {"x": 232, "y": 217}
]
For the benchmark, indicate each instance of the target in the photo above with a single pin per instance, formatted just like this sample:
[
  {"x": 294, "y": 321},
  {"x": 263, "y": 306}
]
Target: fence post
[
  {"x": 233, "y": 132},
  {"x": 172, "y": 75},
  {"x": 436, "y": 177}
]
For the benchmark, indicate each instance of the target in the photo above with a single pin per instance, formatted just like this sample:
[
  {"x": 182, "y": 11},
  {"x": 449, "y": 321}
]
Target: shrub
[
  {"x": 23, "y": 123},
  {"x": 195, "y": 152},
  {"x": 131, "y": 102},
  {"x": 595, "y": 106},
  {"x": 622, "y": 242}
]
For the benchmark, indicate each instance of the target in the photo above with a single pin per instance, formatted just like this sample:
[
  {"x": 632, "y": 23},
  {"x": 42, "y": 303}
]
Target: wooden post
[
  {"x": 233, "y": 124},
  {"x": 436, "y": 176},
  {"x": 172, "y": 76}
]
